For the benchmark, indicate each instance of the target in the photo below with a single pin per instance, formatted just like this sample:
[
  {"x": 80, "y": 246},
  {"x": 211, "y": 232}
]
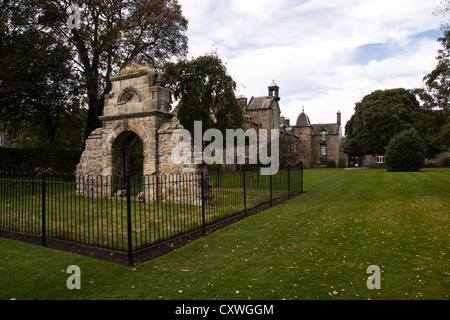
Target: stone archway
[
  {"x": 137, "y": 109},
  {"x": 127, "y": 155}
]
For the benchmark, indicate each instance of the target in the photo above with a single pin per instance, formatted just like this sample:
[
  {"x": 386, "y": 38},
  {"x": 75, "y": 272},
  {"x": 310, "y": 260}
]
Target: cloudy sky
[{"x": 324, "y": 55}]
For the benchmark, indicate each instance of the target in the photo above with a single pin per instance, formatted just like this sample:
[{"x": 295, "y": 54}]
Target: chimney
[
  {"x": 242, "y": 100},
  {"x": 339, "y": 118}
]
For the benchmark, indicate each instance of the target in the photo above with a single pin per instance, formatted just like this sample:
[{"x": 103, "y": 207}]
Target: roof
[
  {"x": 303, "y": 120},
  {"x": 332, "y": 128},
  {"x": 261, "y": 103}
]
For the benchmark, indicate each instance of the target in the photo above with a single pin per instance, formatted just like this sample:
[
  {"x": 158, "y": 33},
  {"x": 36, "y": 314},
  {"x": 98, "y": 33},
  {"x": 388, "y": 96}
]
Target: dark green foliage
[
  {"x": 331, "y": 164},
  {"x": 27, "y": 160},
  {"x": 378, "y": 118},
  {"x": 405, "y": 152},
  {"x": 49, "y": 71},
  {"x": 205, "y": 92},
  {"x": 434, "y": 127},
  {"x": 445, "y": 162},
  {"x": 39, "y": 97}
]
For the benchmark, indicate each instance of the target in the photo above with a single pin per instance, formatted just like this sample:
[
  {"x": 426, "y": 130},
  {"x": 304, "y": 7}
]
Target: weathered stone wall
[
  {"x": 305, "y": 145},
  {"x": 333, "y": 149},
  {"x": 137, "y": 105},
  {"x": 290, "y": 147}
]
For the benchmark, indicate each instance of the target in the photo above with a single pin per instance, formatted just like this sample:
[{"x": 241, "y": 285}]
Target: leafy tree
[
  {"x": 434, "y": 126},
  {"x": 205, "y": 92},
  {"x": 38, "y": 90},
  {"x": 113, "y": 34},
  {"x": 378, "y": 117},
  {"x": 405, "y": 152}
]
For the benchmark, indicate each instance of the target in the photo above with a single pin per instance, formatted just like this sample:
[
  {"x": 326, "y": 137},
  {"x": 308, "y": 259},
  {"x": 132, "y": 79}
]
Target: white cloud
[{"x": 308, "y": 47}]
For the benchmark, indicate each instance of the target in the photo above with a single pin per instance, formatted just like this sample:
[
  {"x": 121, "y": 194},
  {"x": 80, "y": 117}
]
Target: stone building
[
  {"x": 321, "y": 143},
  {"x": 264, "y": 112},
  {"x": 314, "y": 145}
]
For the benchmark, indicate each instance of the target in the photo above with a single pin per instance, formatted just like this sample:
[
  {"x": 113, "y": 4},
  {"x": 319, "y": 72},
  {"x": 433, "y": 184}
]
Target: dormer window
[{"x": 323, "y": 134}]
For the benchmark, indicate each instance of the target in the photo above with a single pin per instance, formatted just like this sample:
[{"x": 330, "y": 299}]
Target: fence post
[
  {"x": 245, "y": 195},
  {"x": 33, "y": 192},
  {"x": 270, "y": 189},
  {"x": 43, "y": 235},
  {"x": 203, "y": 202},
  {"x": 301, "y": 177},
  {"x": 289, "y": 181},
  {"x": 130, "y": 245}
]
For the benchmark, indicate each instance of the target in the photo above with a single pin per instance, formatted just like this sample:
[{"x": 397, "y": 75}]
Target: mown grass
[{"x": 316, "y": 246}]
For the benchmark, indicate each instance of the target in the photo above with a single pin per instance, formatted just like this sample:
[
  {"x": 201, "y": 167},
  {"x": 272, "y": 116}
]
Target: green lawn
[{"x": 316, "y": 246}]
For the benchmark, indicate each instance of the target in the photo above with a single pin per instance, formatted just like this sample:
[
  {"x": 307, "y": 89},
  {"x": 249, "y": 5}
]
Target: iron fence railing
[{"x": 132, "y": 214}]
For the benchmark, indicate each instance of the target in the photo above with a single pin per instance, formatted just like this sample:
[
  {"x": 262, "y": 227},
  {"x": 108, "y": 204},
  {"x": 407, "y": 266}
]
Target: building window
[
  {"x": 323, "y": 150},
  {"x": 380, "y": 159},
  {"x": 323, "y": 135},
  {"x": 323, "y": 163}
]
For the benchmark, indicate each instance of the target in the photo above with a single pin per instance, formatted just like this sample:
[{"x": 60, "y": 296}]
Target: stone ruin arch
[{"x": 137, "y": 106}]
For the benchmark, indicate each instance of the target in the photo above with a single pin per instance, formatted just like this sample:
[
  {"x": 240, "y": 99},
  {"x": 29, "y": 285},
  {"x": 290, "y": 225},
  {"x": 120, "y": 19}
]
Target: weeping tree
[{"x": 205, "y": 92}]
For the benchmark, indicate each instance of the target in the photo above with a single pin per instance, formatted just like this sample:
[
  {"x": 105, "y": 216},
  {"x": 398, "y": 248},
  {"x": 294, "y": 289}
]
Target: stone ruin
[{"x": 138, "y": 105}]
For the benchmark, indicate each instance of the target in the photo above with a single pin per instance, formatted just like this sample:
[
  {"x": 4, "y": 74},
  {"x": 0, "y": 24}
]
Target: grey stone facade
[
  {"x": 314, "y": 145},
  {"x": 138, "y": 105}
]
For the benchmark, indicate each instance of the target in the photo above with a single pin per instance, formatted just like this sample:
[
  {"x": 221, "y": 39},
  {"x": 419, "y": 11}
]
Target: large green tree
[
  {"x": 205, "y": 92},
  {"x": 111, "y": 35},
  {"x": 38, "y": 88},
  {"x": 378, "y": 117},
  {"x": 98, "y": 37},
  {"x": 434, "y": 127}
]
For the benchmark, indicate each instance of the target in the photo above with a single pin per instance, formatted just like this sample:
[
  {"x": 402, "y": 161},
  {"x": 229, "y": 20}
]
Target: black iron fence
[{"x": 132, "y": 214}]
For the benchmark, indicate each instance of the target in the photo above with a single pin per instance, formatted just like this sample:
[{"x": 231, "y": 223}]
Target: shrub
[
  {"x": 405, "y": 152},
  {"x": 26, "y": 160},
  {"x": 445, "y": 162},
  {"x": 331, "y": 164},
  {"x": 377, "y": 165}
]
